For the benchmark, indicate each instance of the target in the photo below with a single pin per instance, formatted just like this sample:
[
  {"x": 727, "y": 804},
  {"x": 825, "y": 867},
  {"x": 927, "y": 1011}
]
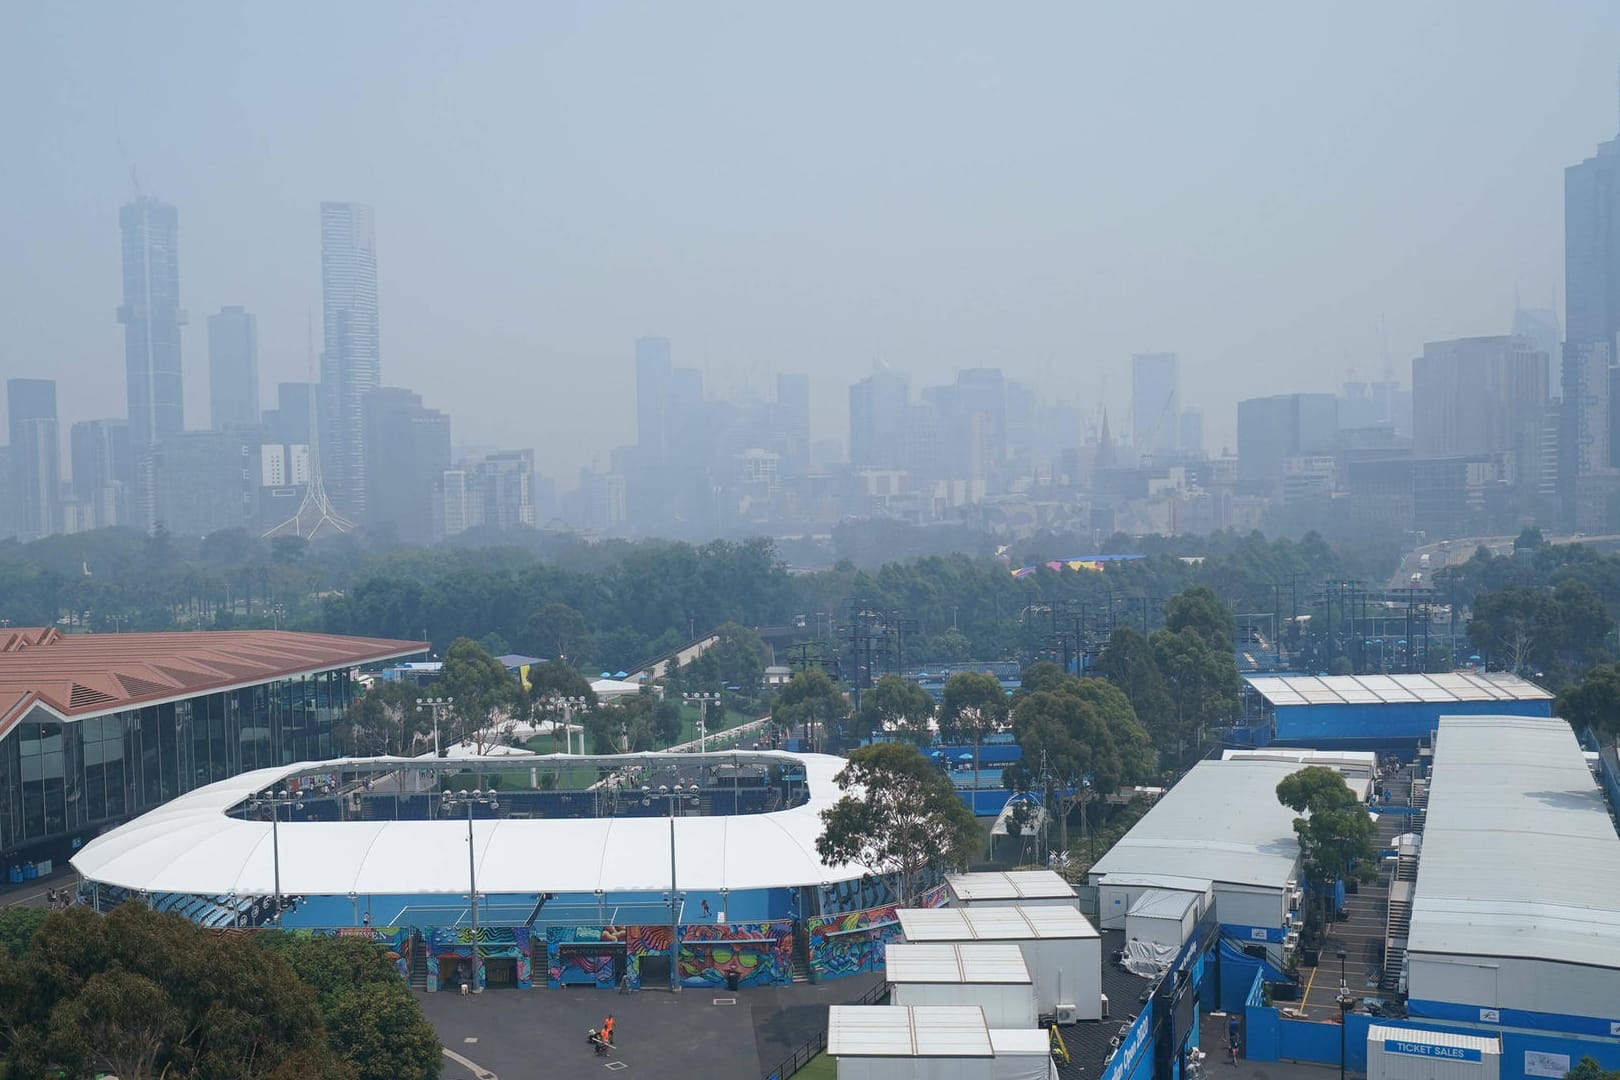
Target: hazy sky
[{"x": 1047, "y": 188}]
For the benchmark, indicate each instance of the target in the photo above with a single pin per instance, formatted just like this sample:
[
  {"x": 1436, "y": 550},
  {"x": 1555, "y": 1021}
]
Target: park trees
[
  {"x": 813, "y": 700},
  {"x": 1335, "y": 832},
  {"x": 898, "y": 814},
  {"x": 1198, "y": 609},
  {"x": 1558, "y": 632},
  {"x": 900, "y": 708},
  {"x": 481, "y": 687},
  {"x": 1203, "y": 688},
  {"x": 560, "y": 632},
  {"x": 385, "y": 721},
  {"x": 1594, "y": 702},
  {"x": 1128, "y": 662},
  {"x": 974, "y": 706}
]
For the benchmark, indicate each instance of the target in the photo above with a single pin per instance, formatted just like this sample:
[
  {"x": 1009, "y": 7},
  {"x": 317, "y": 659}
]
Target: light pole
[
  {"x": 702, "y": 701},
  {"x": 567, "y": 705},
  {"x": 1345, "y": 1004},
  {"x": 275, "y": 800},
  {"x": 435, "y": 704},
  {"x": 469, "y": 799},
  {"x": 673, "y": 796}
]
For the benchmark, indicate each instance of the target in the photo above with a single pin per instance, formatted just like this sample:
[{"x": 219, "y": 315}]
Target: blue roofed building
[{"x": 1381, "y": 712}]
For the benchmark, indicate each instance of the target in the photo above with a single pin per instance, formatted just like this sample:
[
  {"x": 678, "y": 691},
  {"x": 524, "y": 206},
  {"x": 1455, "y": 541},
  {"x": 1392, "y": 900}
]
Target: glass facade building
[{"x": 63, "y": 781}]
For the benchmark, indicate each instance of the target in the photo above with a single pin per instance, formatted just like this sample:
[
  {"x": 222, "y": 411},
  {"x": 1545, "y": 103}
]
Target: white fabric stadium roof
[
  {"x": 1519, "y": 857},
  {"x": 189, "y": 845},
  {"x": 1221, "y": 822},
  {"x": 1442, "y": 689}
]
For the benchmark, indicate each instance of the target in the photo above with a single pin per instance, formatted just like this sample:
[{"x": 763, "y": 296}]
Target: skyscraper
[
  {"x": 1592, "y": 247},
  {"x": 409, "y": 448},
  {"x": 792, "y": 414},
  {"x": 351, "y": 364},
  {"x": 152, "y": 319},
  {"x": 878, "y": 406},
  {"x": 1270, "y": 430},
  {"x": 36, "y": 470},
  {"x": 102, "y": 469},
  {"x": 652, "y": 396},
  {"x": 233, "y": 369},
  {"x": 1155, "y": 402},
  {"x": 1484, "y": 395}
]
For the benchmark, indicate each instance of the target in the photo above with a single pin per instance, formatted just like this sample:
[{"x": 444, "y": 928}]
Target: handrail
[{"x": 806, "y": 1053}]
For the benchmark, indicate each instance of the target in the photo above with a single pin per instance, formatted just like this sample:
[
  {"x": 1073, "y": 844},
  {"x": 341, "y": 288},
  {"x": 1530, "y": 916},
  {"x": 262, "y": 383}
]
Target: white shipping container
[
  {"x": 1023, "y": 1055},
  {"x": 1162, "y": 916},
  {"x": 1025, "y": 888},
  {"x": 992, "y": 977},
  {"x": 1061, "y": 948},
  {"x": 891, "y": 1042},
  {"x": 1395, "y": 1053}
]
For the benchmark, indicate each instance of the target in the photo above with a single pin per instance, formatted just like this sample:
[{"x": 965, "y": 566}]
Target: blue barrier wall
[{"x": 1134, "y": 1058}]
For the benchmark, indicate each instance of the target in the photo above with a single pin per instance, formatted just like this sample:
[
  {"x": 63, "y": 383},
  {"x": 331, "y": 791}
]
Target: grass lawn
[{"x": 820, "y": 1067}]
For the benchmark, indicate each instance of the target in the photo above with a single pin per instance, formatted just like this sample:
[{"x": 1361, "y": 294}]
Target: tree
[
  {"x": 1594, "y": 702},
  {"x": 1335, "y": 833},
  {"x": 740, "y": 656},
  {"x": 1529, "y": 539},
  {"x": 900, "y": 708},
  {"x": 1203, "y": 689},
  {"x": 1198, "y": 609},
  {"x": 17, "y": 928},
  {"x": 480, "y": 684},
  {"x": 1590, "y": 1068},
  {"x": 1128, "y": 662},
  {"x": 385, "y": 721},
  {"x": 813, "y": 700},
  {"x": 898, "y": 815},
  {"x": 561, "y": 631},
  {"x": 975, "y": 705}
]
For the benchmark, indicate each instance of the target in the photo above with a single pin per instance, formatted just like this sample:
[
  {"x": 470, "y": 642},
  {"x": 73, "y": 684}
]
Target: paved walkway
[{"x": 686, "y": 1036}]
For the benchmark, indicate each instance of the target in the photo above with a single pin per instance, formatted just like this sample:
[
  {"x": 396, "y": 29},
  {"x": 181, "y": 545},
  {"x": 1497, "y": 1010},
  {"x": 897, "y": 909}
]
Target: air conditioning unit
[
  {"x": 1105, "y": 1006},
  {"x": 1066, "y": 1014}
]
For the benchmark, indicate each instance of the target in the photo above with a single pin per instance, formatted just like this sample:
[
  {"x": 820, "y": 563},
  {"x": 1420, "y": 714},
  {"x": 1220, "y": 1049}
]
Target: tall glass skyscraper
[
  {"x": 351, "y": 365},
  {"x": 152, "y": 319},
  {"x": 233, "y": 369}
]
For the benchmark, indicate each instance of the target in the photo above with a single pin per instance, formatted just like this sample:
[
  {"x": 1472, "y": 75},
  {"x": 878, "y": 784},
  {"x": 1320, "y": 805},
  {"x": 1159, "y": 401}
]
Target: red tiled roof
[{"x": 81, "y": 674}]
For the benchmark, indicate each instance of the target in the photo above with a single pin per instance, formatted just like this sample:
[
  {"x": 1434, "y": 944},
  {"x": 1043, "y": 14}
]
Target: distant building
[
  {"x": 206, "y": 481},
  {"x": 1484, "y": 395},
  {"x": 102, "y": 471},
  {"x": 653, "y": 376},
  {"x": 878, "y": 414},
  {"x": 407, "y": 449},
  {"x": 1155, "y": 402},
  {"x": 351, "y": 362},
  {"x": 233, "y": 369},
  {"x": 1588, "y": 485},
  {"x": 791, "y": 416},
  {"x": 1273, "y": 429},
  {"x": 1539, "y": 326},
  {"x": 36, "y": 467},
  {"x": 152, "y": 318},
  {"x": 1592, "y": 248},
  {"x": 1192, "y": 432}
]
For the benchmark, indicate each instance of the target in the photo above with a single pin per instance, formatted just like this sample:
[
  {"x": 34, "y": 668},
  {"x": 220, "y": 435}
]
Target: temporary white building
[
  {"x": 1162, "y": 916},
  {"x": 1517, "y": 904},
  {"x": 1358, "y": 767},
  {"x": 1061, "y": 948},
  {"x": 1025, "y": 888},
  {"x": 1023, "y": 1054},
  {"x": 1399, "y": 1053},
  {"x": 1222, "y": 824},
  {"x": 901, "y": 1042},
  {"x": 1118, "y": 893},
  {"x": 993, "y": 977}
]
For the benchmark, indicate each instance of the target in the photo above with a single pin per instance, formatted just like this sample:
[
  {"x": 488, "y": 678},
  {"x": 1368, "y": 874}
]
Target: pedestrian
[
  {"x": 705, "y": 909},
  {"x": 607, "y": 1029},
  {"x": 365, "y": 920},
  {"x": 50, "y": 899},
  {"x": 624, "y": 983}
]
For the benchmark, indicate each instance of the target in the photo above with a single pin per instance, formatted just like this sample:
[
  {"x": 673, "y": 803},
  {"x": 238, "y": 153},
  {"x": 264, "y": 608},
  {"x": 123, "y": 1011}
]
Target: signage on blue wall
[{"x": 1417, "y": 1049}]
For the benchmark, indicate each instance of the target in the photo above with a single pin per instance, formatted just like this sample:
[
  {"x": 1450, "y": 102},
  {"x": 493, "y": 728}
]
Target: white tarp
[{"x": 1148, "y": 958}]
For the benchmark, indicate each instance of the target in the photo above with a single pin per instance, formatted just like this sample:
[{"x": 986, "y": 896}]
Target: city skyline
[{"x": 495, "y": 278}]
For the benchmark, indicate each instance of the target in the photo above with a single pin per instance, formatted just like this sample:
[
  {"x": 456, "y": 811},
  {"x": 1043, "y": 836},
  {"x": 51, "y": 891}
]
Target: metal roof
[
  {"x": 74, "y": 676},
  {"x": 955, "y": 1031},
  {"x": 1011, "y": 885},
  {"x": 1221, "y": 822},
  {"x": 1519, "y": 856},
  {"x": 1017, "y": 1042},
  {"x": 1163, "y": 904},
  {"x": 1442, "y": 689},
  {"x": 952, "y": 962},
  {"x": 993, "y": 924},
  {"x": 1484, "y": 1044}
]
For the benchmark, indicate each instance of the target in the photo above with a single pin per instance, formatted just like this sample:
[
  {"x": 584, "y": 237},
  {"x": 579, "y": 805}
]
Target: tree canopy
[
  {"x": 974, "y": 706},
  {"x": 813, "y": 700},
  {"x": 899, "y": 814},
  {"x": 898, "y": 707},
  {"x": 1335, "y": 833}
]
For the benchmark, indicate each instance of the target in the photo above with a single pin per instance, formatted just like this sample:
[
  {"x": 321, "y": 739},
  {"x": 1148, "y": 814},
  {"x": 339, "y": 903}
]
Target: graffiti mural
[
  {"x": 934, "y": 897},
  {"x": 600, "y": 955},
  {"x": 851, "y": 943},
  {"x": 754, "y": 954}
]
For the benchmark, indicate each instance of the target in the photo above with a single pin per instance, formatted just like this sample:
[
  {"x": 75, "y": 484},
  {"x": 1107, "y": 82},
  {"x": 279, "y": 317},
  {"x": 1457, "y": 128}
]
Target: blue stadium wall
[{"x": 1380, "y": 726}]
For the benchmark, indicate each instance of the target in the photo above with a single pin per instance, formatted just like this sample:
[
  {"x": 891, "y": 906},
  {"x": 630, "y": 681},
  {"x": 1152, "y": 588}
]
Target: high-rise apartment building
[
  {"x": 351, "y": 364},
  {"x": 1155, "y": 402},
  {"x": 102, "y": 470},
  {"x": 878, "y": 407},
  {"x": 1587, "y": 483},
  {"x": 233, "y": 369},
  {"x": 36, "y": 470},
  {"x": 1481, "y": 396},
  {"x": 152, "y": 318},
  {"x": 408, "y": 449},
  {"x": 507, "y": 479}
]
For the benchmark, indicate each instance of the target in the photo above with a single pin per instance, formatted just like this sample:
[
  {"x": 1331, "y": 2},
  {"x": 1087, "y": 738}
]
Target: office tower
[
  {"x": 1481, "y": 396},
  {"x": 290, "y": 421},
  {"x": 152, "y": 318},
  {"x": 1191, "y": 437},
  {"x": 792, "y": 422},
  {"x": 408, "y": 449},
  {"x": 878, "y": 406},
  {"x": 233, "y": 369},
  {"x": 102, "y": 470},
  {"x": 1540, "y": 327},
  {"x": 205, "y": 481},
  {"x": 1155, "y": 402},
  {"x": 1273, "y": 429},
  {"x": 1588, "y": 485},
  {"x": 507, "y": 481},
  {"x": 653, "y": 376},
  {"x": 36, "y": 468},
  {"x": 1592, "y": 247},
  {"x": 351, "y": 365}
]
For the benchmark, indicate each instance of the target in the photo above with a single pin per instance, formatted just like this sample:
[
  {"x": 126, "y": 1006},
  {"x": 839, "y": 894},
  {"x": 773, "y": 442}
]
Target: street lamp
[
  {"x": 702, "y": 701},
  {"x": 673, "y": 796},
  {"x": 1346, "y": 1003},
  {"x": 567, "y": 705},
  {"x": 275, "y": 800},
  {"x": 435, "y": 703},
  {"x": 449, "y": 801}
]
